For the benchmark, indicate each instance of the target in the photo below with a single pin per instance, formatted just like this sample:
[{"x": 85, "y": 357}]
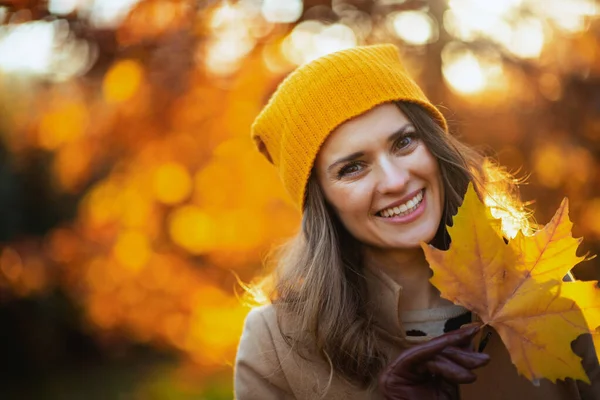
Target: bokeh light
[
  {"x": 468, "y": 72},
  {"x": 62, "y": 6},
  {"x": 312, "y": 39},
  {"x": 172, "y": 183},
  {"x": 193, "y": 229},
  {"x": 463, "y": 71},
  {"x": 527, "y": 39},
  {"x": 549, "y": 163},
  {"x": 122, "y": 81},
  {"x": 278, "y": 11},
  {"x": 108, "y": 13},
  {"x": 414, "y": 27},
  {"x": 132, "y": 250},
  {"x": 27, "y": 47},
  {"x": 63, "y": 123},
  {"x": 232, "y": 39},
  {"x": 128, "y": 122},
  {"x": 44, "y": 49}
]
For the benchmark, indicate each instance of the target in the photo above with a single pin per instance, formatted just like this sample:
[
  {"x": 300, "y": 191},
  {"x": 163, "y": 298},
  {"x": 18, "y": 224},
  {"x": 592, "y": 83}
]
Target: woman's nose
[{"x": 392, "y": 177}]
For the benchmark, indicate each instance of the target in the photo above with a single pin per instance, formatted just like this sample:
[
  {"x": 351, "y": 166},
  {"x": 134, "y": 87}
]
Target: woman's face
[{"x": 381, "y": 180}]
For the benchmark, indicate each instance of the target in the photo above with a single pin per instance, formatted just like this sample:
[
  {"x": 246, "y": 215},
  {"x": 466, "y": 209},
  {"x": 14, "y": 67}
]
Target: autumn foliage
[
  {"x": 136, "y": 134},
  {"x": 518, "y": 288}
]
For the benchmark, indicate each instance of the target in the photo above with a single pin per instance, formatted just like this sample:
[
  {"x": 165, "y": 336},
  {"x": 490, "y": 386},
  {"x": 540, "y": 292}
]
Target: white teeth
[{"x": 405, "y": 208}]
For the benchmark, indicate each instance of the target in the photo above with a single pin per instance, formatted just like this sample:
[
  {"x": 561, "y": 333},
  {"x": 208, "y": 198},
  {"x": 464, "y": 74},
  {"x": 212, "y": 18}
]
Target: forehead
[{"x": 377, "y": 123}]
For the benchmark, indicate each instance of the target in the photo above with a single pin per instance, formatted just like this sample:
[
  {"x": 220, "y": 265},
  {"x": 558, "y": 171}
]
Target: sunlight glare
[
  {"x": 110, "y": 13},
  {"x": 232, "y": 40},
  {"x": 333, "y": 38},
  {"x": 27, "y": 47},
  {"x": 466, "y": 19},
  {"x": 62, "y": 7},
  {"x": 283, "y": 12},
  {"x": 463, "y": 72},
  {"x": 496, "y": 7},
  {"x": 312, "y": 39},
  {"x": 570, "y": 17},
  {"x": 225, "y": 16},
  {"x": 224, "y": 55},
  {"x": 301, "y": 41},
  {"x": 527, "y": 39},
  {"x": 414, "y": 27},
  {"x": 504, "y": 21}
]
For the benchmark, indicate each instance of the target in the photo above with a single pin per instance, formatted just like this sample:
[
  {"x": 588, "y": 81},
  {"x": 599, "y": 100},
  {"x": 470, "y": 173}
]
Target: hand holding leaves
[{"x": 431, "y": 370}]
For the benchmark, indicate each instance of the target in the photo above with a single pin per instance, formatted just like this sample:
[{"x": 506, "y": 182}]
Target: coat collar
[
  {"x": 385, "y": 305},
  {"x": 384, "y": 301}
]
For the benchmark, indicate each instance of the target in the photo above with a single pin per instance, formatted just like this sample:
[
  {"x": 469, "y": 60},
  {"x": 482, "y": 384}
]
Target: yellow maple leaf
[{"x": 518, "y": 289}]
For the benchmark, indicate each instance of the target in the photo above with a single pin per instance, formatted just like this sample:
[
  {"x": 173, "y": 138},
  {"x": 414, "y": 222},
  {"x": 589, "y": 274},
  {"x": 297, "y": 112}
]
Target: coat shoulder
[
  {"x": 258, "y": 372},
  {"x": 267, "y": 327},
  {"x": 261, "y": 336},
  {"x": 260, "y": 320}
]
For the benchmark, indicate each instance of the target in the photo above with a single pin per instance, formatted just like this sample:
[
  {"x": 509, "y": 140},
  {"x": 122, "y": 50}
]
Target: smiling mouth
[{"x": 403, "y": 209}]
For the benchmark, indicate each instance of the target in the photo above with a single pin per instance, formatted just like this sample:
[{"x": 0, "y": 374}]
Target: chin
[
  {"x": 404, "y": 240},
  {"x": 408, "y": 244},
  {"x": 426, "y": 236}
]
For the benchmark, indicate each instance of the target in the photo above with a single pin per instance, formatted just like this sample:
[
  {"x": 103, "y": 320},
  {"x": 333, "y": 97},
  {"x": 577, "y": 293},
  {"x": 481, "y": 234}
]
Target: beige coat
[{"x": 266, "y": 368}]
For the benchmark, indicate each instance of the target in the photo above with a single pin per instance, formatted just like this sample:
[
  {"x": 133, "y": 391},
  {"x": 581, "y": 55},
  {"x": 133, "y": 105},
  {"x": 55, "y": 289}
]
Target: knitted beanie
[{"x": 319, "y": 96}]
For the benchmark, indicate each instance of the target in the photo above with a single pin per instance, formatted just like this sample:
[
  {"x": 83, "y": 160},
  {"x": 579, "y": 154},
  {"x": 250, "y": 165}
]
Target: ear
[{"x": 260, "y": 145}]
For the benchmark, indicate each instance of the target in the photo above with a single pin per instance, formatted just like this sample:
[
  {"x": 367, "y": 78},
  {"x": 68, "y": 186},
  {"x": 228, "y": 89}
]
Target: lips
[{"x": 401, "y": 203}]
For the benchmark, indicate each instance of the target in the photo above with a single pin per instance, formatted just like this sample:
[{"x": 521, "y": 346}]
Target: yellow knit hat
[{"x": 319, "y": 96}]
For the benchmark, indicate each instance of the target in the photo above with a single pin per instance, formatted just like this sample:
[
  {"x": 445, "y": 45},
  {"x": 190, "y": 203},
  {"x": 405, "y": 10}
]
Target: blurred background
[{"x": 132, "y": 202}]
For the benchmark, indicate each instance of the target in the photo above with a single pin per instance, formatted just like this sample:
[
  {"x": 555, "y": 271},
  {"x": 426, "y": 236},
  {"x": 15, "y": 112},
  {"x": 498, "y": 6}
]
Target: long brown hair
[{"x": 318, "y": 279}]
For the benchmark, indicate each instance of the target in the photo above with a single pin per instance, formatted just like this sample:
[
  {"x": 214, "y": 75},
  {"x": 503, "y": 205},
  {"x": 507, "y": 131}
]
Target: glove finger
[
  {"x": 426, "y": 351},
  {"x": 466, "y": 358},
  {"x": 450, "y": 371}
]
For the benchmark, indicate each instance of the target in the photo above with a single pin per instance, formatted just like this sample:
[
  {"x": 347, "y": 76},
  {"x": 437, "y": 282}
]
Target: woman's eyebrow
[
  {"x": 399, "y": 133},
  {"x": 351, "y": 157}
]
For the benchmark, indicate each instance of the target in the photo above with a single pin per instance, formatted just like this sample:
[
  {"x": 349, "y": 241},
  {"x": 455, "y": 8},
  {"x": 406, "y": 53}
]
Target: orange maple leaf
[{"x": 518, "y": 289}]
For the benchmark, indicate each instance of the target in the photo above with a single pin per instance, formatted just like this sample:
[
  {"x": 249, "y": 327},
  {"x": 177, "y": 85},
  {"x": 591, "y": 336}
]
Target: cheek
[
  {"x": 438, "y": 180},
  {"x": 432, "y": 169},
  {"x": 348, "y": 199},
  {"x": 431, "y": 172}
]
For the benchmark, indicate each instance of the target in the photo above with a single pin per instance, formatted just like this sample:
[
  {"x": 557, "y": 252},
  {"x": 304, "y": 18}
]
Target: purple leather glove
[{"x": 432, "y": 370}]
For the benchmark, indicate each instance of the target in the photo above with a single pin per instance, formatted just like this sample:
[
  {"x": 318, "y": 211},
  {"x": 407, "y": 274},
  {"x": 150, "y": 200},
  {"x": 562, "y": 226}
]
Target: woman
[{"x": 369, "y": 161}]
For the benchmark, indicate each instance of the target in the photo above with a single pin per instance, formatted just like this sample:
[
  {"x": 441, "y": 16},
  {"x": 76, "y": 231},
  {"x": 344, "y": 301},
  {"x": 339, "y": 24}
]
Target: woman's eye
[
  {"x": 404, "y": 141},
  {"x": 349, "y": 169}
]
